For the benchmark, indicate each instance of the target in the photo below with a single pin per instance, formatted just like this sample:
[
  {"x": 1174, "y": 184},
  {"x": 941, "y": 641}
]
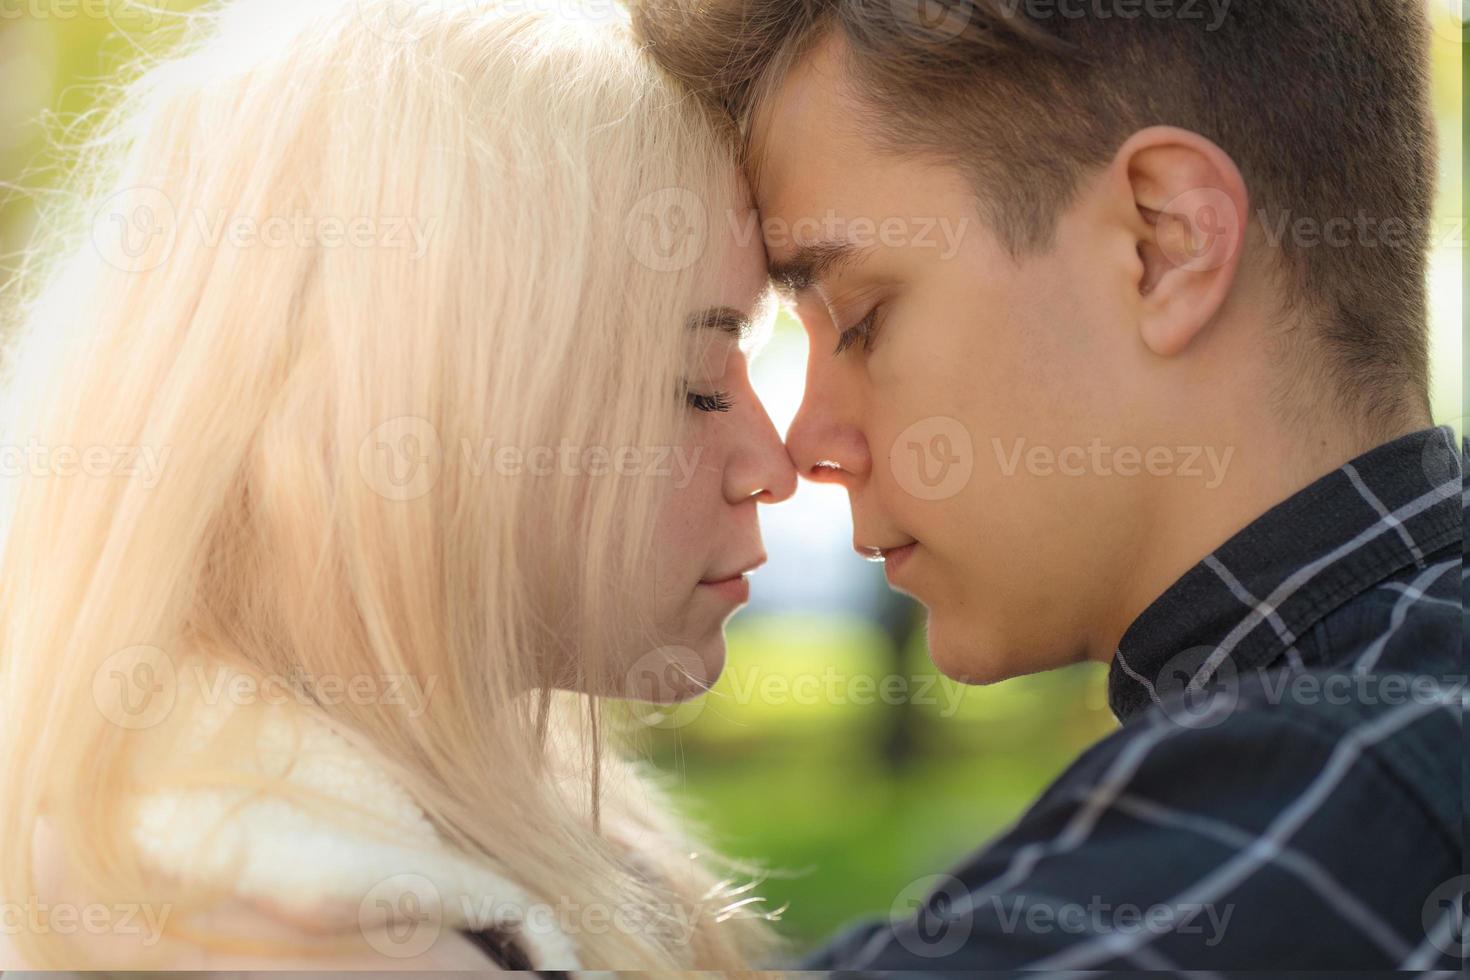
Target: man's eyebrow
[
  {"x": 724, "y": 318},
  {"x": 812, "y": 264}
]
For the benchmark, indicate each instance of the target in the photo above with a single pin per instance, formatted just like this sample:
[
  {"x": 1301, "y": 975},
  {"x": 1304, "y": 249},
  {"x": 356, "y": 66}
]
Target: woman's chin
[{"x": 678, "y": 671}]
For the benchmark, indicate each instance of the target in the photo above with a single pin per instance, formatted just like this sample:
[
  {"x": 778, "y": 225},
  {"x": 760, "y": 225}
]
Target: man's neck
[{"x": 1258, "y": 466}]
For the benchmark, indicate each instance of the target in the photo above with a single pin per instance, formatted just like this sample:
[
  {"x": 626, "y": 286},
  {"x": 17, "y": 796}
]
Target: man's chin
[{"x": 969, "y": 653}]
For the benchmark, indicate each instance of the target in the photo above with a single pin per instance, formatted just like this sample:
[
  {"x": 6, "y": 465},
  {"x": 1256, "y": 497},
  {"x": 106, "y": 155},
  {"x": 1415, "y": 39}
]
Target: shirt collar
[{"x": 1251, "y": 599}]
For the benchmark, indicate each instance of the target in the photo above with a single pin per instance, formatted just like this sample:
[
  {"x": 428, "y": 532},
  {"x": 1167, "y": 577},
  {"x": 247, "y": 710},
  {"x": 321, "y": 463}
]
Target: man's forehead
[{"x": 803, "y": 138}]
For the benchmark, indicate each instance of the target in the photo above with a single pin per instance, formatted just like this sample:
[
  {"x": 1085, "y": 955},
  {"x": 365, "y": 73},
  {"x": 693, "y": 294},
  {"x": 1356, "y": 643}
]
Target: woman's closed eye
[{"x": 718, "y": 401}]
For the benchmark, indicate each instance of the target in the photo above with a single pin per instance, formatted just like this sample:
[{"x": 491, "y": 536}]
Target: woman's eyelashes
[
  {"x": 719, "y": 401},
  {"x": 865, "y": 330}
]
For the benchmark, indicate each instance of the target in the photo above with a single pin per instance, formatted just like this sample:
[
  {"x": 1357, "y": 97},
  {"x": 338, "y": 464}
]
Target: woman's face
[{"x": 732, "y": 458}]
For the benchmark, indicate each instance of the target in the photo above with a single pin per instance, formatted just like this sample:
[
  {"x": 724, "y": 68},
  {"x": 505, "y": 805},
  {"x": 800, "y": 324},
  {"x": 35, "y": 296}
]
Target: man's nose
[{"x": 825, "y": 443}]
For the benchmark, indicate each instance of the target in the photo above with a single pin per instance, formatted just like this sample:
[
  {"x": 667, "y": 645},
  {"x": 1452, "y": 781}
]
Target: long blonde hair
[{"x": 251, "y": 365}]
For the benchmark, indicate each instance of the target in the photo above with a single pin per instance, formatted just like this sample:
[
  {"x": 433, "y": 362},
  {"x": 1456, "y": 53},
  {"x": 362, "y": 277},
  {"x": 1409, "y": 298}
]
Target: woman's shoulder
[
  {"x": 245, "y": 934},
  {"x": 293, "y": 847},
  {"x": 367, "y": 951}
]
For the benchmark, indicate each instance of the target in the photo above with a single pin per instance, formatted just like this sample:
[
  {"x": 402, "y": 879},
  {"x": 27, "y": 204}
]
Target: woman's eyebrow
[{"x": 723, "y": 318}]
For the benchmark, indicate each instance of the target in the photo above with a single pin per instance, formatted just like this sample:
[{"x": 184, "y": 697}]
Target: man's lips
[
  {"x": 884, "y": 554},
  {"x": 893, "y": 558}
]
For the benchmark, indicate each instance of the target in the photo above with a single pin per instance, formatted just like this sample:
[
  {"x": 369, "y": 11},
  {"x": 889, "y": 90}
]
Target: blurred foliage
[
  {"x": 847, "y": 799},
  {"x": 805, "y": 780}
]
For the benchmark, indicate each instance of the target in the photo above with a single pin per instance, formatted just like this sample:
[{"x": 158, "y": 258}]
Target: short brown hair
[{"x": 1324, "y": 106}]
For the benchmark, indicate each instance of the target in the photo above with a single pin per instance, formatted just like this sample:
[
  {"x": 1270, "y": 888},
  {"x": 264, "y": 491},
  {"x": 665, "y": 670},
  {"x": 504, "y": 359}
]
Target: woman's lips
[{"x": 733, "y": 590}]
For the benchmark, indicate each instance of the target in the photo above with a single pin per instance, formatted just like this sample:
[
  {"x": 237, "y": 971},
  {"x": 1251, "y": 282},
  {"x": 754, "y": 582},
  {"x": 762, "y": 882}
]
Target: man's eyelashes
[{"x": 865, "y": 331}]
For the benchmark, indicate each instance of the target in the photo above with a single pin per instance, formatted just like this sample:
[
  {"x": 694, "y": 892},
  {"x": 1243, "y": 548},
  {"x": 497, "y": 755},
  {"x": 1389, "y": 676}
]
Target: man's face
[{"x": 973, "y": 421}]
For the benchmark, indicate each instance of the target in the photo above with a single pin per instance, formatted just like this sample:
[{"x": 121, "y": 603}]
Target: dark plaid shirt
[{"x": 1285, "y": 789}]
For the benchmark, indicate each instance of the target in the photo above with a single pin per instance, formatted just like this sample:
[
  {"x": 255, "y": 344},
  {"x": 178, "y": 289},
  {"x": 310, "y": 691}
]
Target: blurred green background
[{"x": 797, "y": 760}]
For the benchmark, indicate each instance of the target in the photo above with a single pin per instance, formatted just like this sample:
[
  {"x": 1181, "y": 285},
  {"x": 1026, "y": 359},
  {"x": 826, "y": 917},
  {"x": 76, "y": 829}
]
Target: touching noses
[{"x": 824, "y": 444}]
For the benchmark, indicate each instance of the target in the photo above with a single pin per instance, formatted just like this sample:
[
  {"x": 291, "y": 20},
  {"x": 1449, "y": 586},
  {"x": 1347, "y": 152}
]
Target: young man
[{"x": 1118, "y": 344}]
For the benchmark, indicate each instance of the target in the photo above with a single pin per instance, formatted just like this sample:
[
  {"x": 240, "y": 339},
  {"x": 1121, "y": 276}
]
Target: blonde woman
[{"x": 386, "y": 412}]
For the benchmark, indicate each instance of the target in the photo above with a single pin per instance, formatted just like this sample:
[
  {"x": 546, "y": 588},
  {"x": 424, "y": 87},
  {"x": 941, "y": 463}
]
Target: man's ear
[{"x": 1192, "y": 206}]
